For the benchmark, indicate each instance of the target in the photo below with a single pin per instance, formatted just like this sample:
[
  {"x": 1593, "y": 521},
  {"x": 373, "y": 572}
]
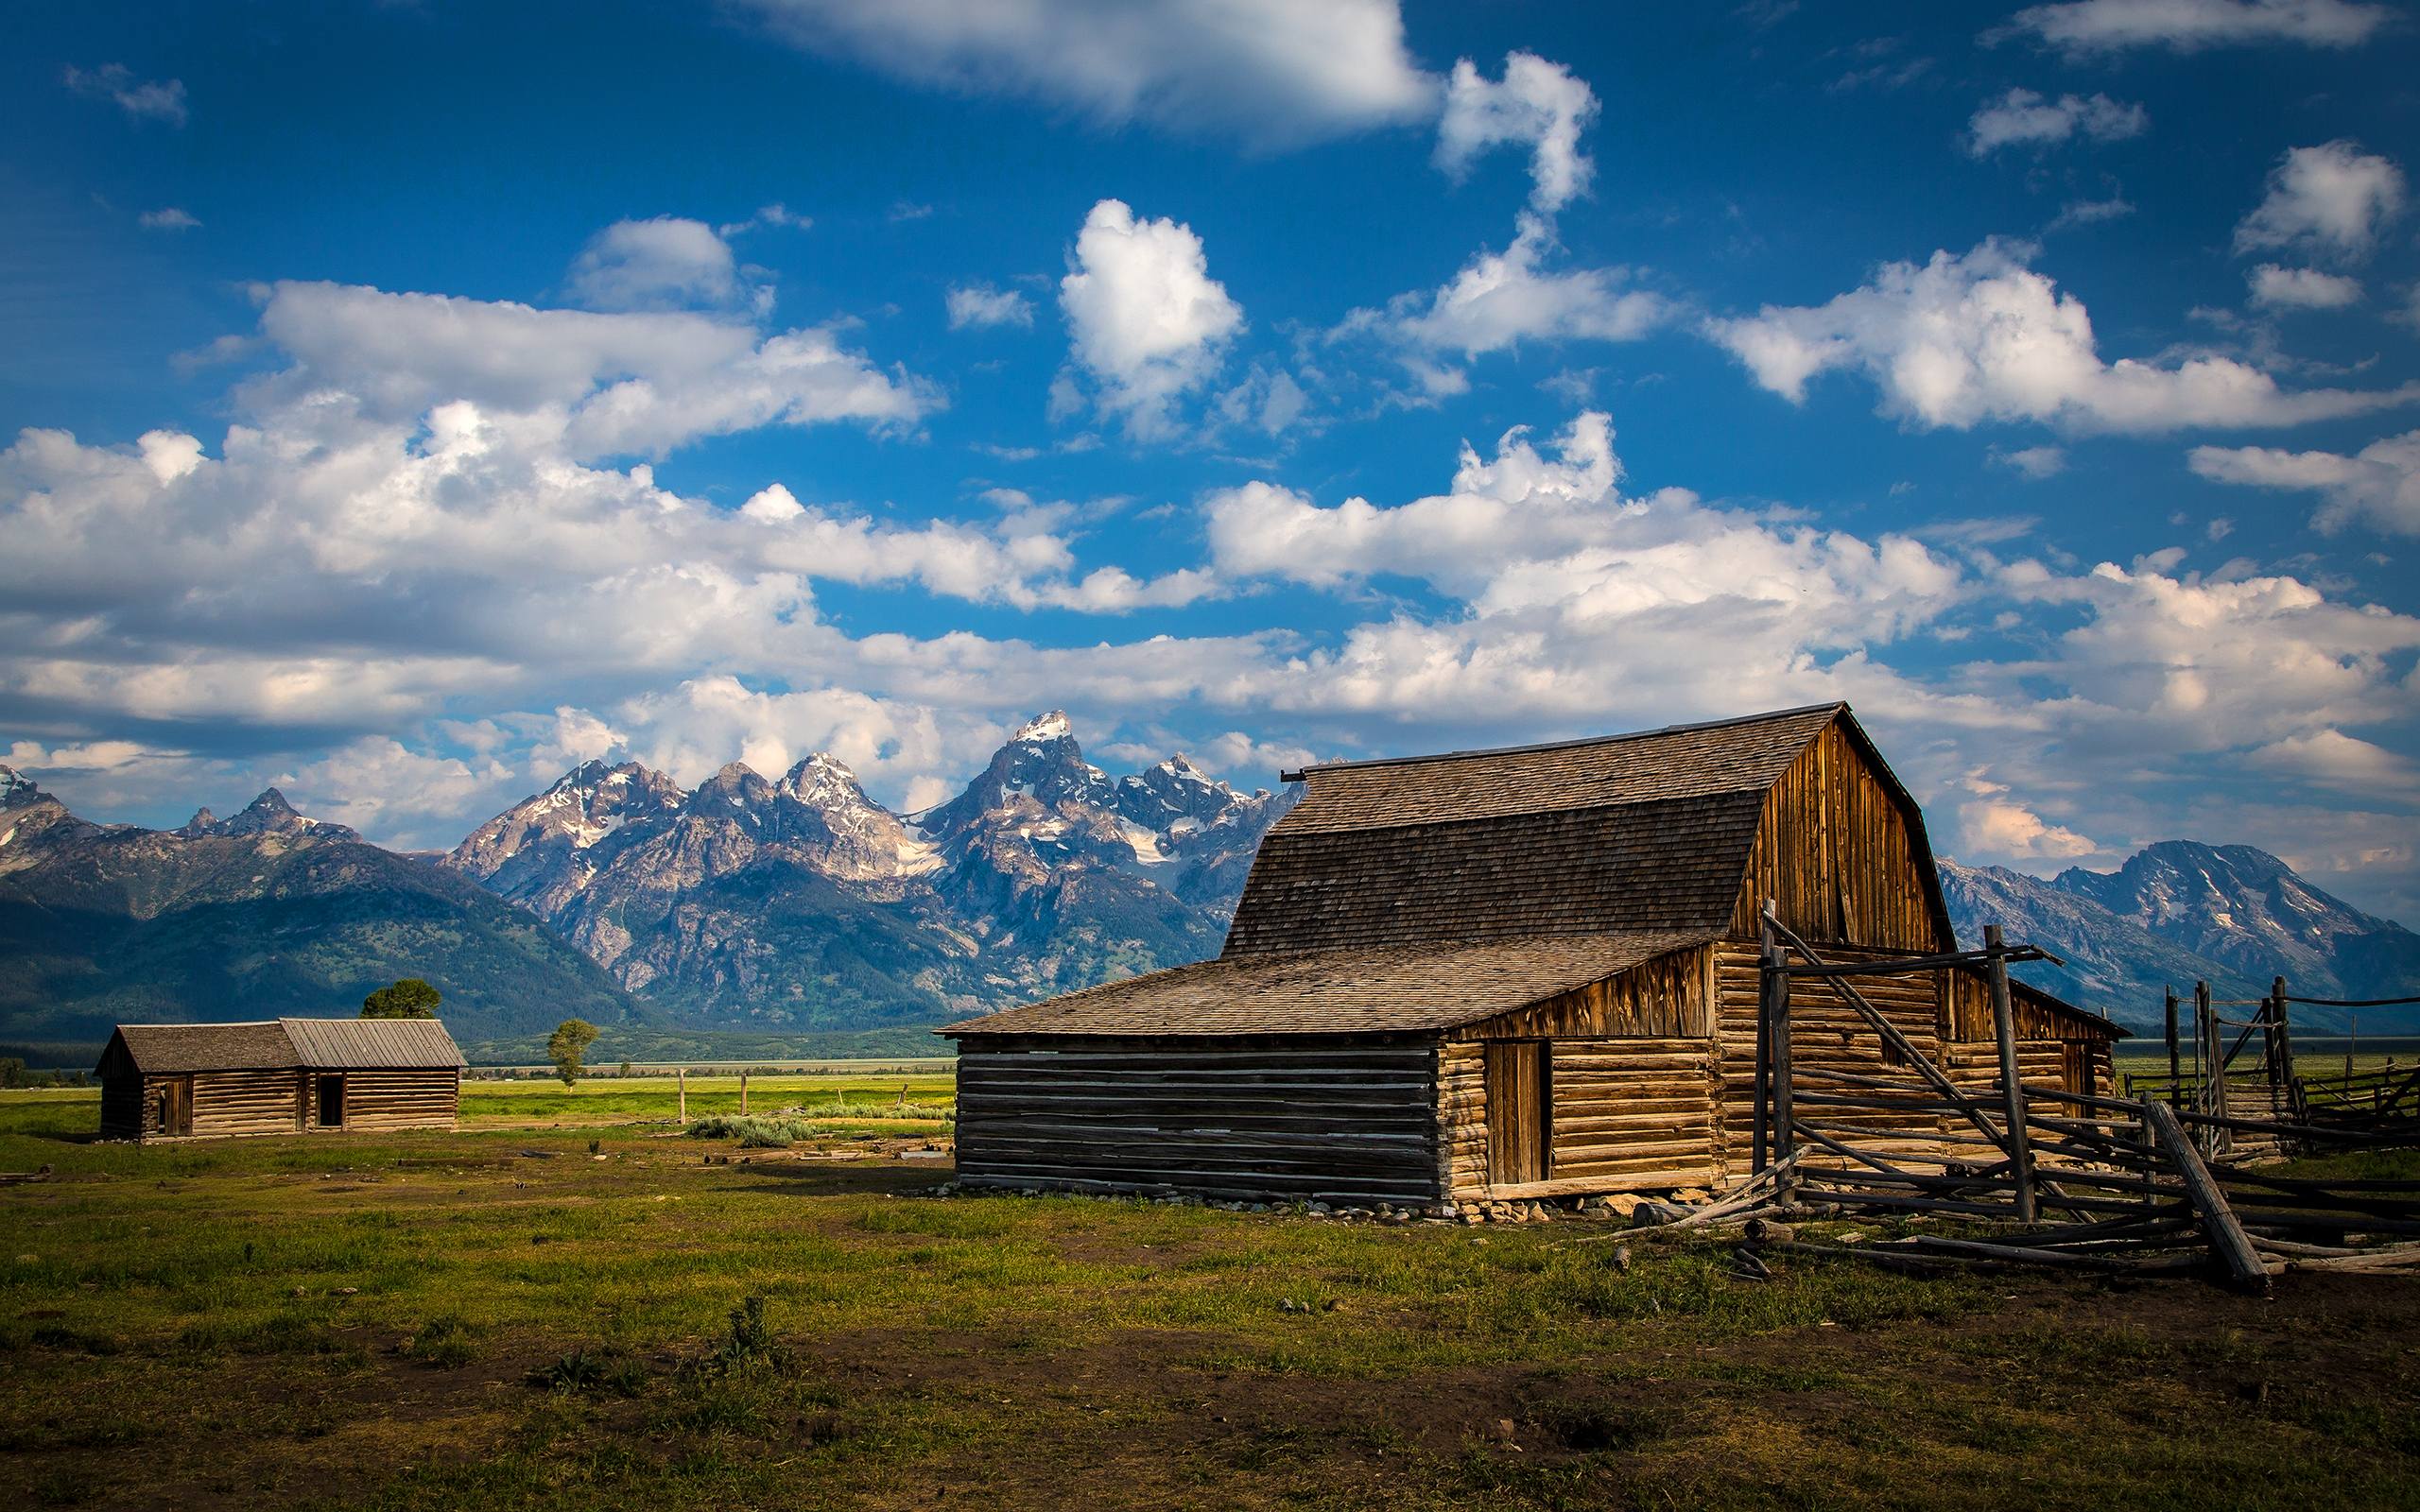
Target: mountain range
[{"x": 797, "y": 904}]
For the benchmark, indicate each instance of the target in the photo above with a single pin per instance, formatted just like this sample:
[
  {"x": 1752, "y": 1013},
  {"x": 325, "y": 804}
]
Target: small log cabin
[
  {"x": 1507, "y": 974},
  {"x": 281, "y": 1076}
]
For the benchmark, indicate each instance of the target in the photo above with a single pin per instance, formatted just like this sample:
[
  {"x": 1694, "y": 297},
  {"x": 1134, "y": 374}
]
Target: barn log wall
[
  {"x": 246, "y": 1102},
  {"x": 1334, "y": 1119},
  {"x": 1837, "y": 855},
  {"x": 1826, "y": 1034},
  {"x": 378, "y": 1101}
]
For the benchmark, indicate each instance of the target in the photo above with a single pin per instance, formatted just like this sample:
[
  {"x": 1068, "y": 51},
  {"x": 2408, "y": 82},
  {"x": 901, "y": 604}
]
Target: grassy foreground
[{"x": 357, "y": 1322}]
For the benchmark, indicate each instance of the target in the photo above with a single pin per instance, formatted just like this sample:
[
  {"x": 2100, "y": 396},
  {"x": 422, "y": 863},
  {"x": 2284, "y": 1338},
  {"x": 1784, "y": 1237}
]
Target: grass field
[{"x": 357, "y": 1322}]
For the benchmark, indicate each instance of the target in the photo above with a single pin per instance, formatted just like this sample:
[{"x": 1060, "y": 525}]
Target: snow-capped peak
[
  {"x": 17, "y": 790},
  {"x": 824, "y": 781},
  {"x": 1052, "y": 726}
]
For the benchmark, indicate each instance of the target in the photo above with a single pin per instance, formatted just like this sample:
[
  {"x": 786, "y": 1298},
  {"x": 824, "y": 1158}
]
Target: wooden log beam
[{"x": 2226, "y": 1236}]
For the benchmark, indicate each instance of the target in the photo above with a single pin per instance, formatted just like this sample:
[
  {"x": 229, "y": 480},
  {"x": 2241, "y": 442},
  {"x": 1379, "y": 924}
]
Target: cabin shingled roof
[{"x": 1388, "y": 989}]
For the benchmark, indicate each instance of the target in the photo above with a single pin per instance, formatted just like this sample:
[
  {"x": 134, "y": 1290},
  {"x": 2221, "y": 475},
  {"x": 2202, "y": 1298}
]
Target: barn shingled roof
[
  {"x": 280, "y": 1044},
  {"x": 1390, "y": 989},
  {"x": 1641, "y": 831}
]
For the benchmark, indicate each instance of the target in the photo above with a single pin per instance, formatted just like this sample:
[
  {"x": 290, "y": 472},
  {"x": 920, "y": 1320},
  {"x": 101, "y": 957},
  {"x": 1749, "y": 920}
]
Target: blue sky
[{"x": 410, "y": 400}]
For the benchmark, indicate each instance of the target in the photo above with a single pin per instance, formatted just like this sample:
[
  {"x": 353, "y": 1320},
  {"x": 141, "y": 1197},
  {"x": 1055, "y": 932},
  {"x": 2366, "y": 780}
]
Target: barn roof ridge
[{"x": 1301, "y": 773}]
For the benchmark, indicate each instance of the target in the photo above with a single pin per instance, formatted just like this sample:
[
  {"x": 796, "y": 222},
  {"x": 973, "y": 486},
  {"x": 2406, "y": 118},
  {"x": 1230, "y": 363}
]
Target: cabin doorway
[
  {"x": 172, "y": 1106},
  {"x": 332, "y": 1102},
  {"x": 1520, "y": 1110}
]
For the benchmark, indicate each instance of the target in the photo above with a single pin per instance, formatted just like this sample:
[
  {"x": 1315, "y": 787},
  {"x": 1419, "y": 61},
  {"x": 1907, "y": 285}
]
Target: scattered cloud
[
  {"x": 1144, "y": 318},
  {"x": 141, "y": 99},
  {"x": 1499, "y": 300},
  {"x": 772, "y": 214},
  {"x": 2035, "y": 462},
  {"x": 979, "y": 304},
  {"x": 1995, "y": 824},
  {"x": 1273, "y": 72},
  {"x": 2090, "y": 212},
  {"x": 170, "y": 218},
  {"x": 2332, "y": 759},
  {"x": 2332, "y": 200},
  {"x": 2023, "y": 118},
  {"x": 1537, "y": 104},
  {"x": 1980, "y": 337},
  {"x": 2379, "y": 486},
  {"x": 597, "y": 384},
  {"x": 666, "y": 263},
  {"x": 2302, "y": 288},
  {"x": 2190, "y": 26}
]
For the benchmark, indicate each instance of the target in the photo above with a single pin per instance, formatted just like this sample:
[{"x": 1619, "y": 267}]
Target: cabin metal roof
[
  {"x": 372, "y": 1045},
  {"x": 1395, "y": 989},
  {"x": 281, "y": 1044}
]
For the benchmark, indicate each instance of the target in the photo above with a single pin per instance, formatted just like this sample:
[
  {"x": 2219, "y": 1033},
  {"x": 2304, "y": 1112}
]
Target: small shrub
[
  {"x": 747, "y": 1343},
  {"x": 607, "y": 1371},
  {"x": 752, "y": 1131}
]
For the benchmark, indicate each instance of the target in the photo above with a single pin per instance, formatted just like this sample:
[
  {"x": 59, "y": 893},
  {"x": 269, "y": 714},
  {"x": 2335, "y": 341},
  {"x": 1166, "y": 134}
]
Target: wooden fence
[{"x": 2146, "y": 1183}]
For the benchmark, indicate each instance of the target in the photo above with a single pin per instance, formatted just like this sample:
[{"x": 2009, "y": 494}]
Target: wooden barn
[
  {"x": 281, "y": 1076},
  {"x": 1507, "y": 974}
]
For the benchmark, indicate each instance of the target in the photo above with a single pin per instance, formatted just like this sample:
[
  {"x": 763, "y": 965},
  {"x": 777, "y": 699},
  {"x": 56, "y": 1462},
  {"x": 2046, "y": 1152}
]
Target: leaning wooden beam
[
  {"x": 1753, "y": 1197},
  {"x": 1899, "y": 1042},
  {"x": 2226, "y": 1235}
]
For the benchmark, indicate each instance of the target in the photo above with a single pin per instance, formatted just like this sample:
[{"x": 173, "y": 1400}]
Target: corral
[{"x": 1511, "y": 974}]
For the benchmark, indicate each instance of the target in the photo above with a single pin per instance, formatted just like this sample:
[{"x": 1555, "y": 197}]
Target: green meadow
[{"x": 570, "y": 1303}]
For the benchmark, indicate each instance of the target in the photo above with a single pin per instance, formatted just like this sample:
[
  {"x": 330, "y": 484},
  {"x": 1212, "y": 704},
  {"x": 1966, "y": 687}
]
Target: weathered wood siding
[
  {"x": 1826, "y": 1033},
  {"x": 1665, "y": 998},
  {"x": 1626, "y": 1113},
  {"x": 1836, "y": 854},
  {"x": 1337, "y": 1120},
  {"x": 379, "y": 1101},
  {"x": 245, "y": 1102}
]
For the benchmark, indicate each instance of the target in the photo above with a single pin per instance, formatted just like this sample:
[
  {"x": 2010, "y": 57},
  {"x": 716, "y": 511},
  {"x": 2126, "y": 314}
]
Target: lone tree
[
  {"x": 564, "y": 1046},
  {"x": 410, "y": 998}
]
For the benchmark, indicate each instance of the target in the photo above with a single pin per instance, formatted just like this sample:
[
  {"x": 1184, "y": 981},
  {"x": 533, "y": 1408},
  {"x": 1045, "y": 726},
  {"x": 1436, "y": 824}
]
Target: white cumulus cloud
[
  {"x": 1144, "y": 318},
  {"x": 2332, "y": 199},
  {"x": 2023, "y": 118},
  {"x": 2302, "y": 288},
  {"x": 2379, "y": 486},
  {"x": 1537, "y": 104},
  {"x": 666, "y": 263},
  {"x": 1981, "y": 337},
  {"x": 1274, "y": 72},
  {"x": 141, "y": 99}
]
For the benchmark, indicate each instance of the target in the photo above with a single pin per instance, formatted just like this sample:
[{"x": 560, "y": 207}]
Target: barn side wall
[
  {"x": 1336, "y": 1120},
  {"x": 1631, "y": 1100},
  {"x": 377, "y": 1101},
  {"x": 245, "y": 1102},
  {"x": 1838, "y": 857}
]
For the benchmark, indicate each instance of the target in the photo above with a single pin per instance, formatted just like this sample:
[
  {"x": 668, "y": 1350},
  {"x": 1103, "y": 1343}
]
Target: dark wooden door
[
  {"x": 176, "y": 1116},
  {"x": 1520, "y": 1110}
]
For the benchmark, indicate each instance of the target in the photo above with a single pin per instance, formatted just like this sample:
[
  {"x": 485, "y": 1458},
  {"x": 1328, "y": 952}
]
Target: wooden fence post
[
  {"x": 743, "y": 1093},
  {"x": 2173, "y": 1069},
  {"x": 1761, "y": 1153},
  {"x": 1776, "y": 1004},
  {"x": 2284, "y": 1031},
  {"x": 2004, "y": 1028},
  {"x": 683, "y": 1074}
]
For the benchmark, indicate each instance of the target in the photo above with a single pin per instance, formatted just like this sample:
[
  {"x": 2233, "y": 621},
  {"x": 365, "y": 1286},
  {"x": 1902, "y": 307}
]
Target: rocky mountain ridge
[
  {"x": 263, "y": 913},
  {"x": 802, "y": 902},
  {"x": 2179, "y": 911}
]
